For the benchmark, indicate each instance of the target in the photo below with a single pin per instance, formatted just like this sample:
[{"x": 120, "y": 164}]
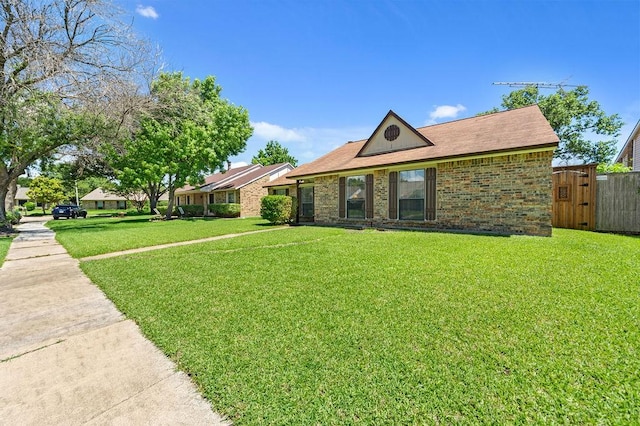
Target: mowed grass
[
  {"x": 328, "y": 326},
  {"x": 5, "y": 242},
  {"x": 93, "y": 236}
]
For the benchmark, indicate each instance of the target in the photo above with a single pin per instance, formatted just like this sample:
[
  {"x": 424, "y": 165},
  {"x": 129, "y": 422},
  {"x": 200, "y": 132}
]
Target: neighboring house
[
  {"x": 100, "y": 199},
  {"x": 239, "y": 185},
  {"x": 630, "y": 153},
  {"x": 490, "y": 173},
  {"x": 21, "y": 195}
]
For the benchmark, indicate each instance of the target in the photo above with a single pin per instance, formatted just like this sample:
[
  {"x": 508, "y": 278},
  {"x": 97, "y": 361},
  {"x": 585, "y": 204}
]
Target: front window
[
  {"x": 231, "y": 197},
  {"x": 356, "y": 197},
  {"x": 306, "y": 201},
  {"x": 280, "y": 192},
  {"x": 411, "y": 195},
  {"x": 100, "y": 204}
]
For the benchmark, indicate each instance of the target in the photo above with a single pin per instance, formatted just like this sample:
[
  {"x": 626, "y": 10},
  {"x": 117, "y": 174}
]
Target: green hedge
[
  {"x": 278, "y": 209},
  {"x": 190, "y": 210},
  {"x": 30, "y": 206},
  {"x": 225, "y": 210}
]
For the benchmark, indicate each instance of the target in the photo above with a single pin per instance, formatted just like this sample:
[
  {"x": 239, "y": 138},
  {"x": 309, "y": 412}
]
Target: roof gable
[{"x": 393, "y": 134}]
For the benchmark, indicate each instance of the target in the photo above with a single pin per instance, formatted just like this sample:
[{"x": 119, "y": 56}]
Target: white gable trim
[{"x": 393, "y": 134}]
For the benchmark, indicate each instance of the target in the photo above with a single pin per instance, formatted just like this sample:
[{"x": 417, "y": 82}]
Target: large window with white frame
[
  {"x": 356, "y": 195},
  {"x": 231, "y": 197},
  {"x": 411, "y": 191}
]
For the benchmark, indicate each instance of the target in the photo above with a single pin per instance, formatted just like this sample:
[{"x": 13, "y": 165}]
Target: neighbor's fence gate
[{"x": 618, "y": 202}]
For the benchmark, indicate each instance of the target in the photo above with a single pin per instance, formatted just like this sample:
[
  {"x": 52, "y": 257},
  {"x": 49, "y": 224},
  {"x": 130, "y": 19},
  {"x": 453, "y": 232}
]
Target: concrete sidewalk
[{"x": 68, "y": 356}]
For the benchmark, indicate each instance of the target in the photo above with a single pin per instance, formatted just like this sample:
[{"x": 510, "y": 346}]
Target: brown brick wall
[
  {"x": 325, "y": 199},
  {"x": 510, "y": 194},
  {"x": 250, "y": 197}
]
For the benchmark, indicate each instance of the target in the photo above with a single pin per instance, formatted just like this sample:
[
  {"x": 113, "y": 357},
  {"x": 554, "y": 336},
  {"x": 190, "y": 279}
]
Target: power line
[{"x": 539, "y": 85}]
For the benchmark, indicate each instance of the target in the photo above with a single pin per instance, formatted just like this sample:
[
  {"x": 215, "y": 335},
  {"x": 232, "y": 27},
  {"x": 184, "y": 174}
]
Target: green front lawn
[
  {"x": 5, "y": 242},
  {"x": 328, "y": 326},
  {"x": 92, "y": 236}
]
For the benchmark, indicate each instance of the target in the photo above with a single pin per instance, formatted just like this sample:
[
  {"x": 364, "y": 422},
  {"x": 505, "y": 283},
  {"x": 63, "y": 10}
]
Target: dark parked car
[{"x": 68, "y": 211}]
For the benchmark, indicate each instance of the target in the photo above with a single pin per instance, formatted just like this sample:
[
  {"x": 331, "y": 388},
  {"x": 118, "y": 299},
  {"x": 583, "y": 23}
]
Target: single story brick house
[
  {"x": 489, "y": 173},
  {"x": 100, "y": 199},
  {"x": 239, "y": 185}
]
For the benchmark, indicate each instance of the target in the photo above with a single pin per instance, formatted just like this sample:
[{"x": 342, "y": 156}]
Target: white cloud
[
  {"x": 304, "y": 143},
  {"x": 147, "y": 11},
  {"x": 268, "y": 131},
  {"x": 445, "y": 111},
  {"x": 239, "y": 164}
]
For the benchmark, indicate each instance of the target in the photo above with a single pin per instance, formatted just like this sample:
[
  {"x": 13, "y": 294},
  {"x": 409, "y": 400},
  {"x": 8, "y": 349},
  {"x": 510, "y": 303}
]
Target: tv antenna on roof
[{"x": 538, "y": 85}]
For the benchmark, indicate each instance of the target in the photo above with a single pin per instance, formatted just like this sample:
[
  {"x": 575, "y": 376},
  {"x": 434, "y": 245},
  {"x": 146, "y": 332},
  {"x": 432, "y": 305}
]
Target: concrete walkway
[{"x": 68, "y": 356}]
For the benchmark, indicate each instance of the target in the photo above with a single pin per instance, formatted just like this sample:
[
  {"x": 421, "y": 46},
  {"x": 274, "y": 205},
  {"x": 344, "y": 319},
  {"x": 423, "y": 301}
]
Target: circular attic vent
[{"x": 392, "y": 132}]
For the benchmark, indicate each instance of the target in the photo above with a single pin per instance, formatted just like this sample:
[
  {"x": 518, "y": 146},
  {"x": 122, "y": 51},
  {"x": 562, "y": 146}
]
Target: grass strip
[
  {"x": 93, "y": 236},
  {"x": 5, "y": 242},
  {"x": 327, "y": 326}
]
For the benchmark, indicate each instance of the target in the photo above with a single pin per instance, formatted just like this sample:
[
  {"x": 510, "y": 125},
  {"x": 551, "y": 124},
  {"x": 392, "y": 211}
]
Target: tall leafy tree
[
  {"x": 66, "y": 67},
  {"x": 189, "y": 132},
  {"x": 274, "y": 153},
  {"x": 576, "y": 120},
  {"x": 45, "y": 190}
]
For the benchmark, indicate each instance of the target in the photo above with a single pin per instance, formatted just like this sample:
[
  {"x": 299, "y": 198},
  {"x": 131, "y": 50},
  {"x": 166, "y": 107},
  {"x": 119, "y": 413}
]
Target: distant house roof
[
  {"x": 281, "y": 181},
  {"x": 100, "y": 194},
  {"x": 238, "y": 177},
  {"x": 21, "y": 193},
  {"x": 518, "y": 129},
  {"x": 217, "y": 177}
]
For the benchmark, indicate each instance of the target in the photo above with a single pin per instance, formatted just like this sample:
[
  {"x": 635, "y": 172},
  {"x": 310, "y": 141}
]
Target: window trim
[
  {"x": 424, "y": 195},
  {"x": 364, "y": 198},
  {"x": 430, "y": 194}
]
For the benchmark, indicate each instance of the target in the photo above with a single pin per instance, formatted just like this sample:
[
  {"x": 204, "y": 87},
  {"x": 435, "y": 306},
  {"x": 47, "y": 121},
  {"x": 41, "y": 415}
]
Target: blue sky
[{"x": 316, "y": 74}]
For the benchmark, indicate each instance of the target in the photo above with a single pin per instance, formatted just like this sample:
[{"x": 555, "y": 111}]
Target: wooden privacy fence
[
  {"x": 584, "y": 200},
  {"x": 574, "y": 197},
  {"x": 618, "y": 202}
]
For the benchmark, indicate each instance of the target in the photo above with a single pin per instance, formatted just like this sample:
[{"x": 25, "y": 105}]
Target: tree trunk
[
  {"x": 3, "y": 215},
  {"x": 172, "y": 191},
  {"x": 10, "y": 200}
]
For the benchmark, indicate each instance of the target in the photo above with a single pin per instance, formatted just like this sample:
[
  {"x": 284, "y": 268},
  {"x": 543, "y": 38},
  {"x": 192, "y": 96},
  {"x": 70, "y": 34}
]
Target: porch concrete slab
[{"x": 68, "y": 356}]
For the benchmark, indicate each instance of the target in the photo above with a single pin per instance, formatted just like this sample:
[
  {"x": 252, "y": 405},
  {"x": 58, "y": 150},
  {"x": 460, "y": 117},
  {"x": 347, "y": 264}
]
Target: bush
[
  {"x": 612, "y": 168},
  {"x": 163, "y": 210},
  {"x": 277, "y": 208},
  {"x": 190, "y": 210},
  {"x": 13, "y": 217},
  {"x": 30, "y": 206},
  {"x": 135, "y": 212},
  {"x": 225, "y": 210}
]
